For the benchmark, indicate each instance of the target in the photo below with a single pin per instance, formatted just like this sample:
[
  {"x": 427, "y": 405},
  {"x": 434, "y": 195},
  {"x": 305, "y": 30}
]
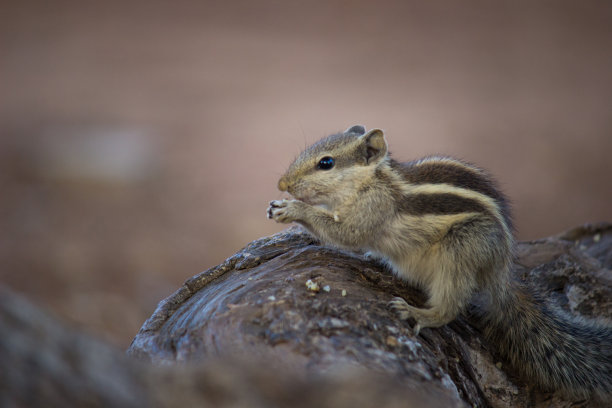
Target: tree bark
[
  {"x": 287, "y": 321},
  {"x": 315, "y": 308}
]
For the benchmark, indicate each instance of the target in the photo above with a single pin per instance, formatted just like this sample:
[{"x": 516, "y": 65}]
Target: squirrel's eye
[{"x": 326, "y": 163}]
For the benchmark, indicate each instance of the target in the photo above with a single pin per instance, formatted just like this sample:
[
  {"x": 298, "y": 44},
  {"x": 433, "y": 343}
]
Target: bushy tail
[{"x": 548, "y": 347}]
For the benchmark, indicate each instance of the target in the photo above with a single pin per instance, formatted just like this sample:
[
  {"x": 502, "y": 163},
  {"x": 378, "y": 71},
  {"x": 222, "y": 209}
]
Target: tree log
[
  {"x": 317, "y": 309},
  {"x": 290, "y": 322}
]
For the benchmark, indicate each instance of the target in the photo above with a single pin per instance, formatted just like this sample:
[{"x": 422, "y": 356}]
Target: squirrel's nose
[{"x": 282, "y": 184}]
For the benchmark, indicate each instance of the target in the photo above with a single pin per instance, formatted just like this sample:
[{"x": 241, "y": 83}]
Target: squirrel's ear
[
  {"x": 376, "y": 145},
  {"x": 359, "y": 129}
]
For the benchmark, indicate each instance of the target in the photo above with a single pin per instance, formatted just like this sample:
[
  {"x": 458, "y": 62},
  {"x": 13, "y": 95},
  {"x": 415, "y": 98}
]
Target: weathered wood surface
[
  {"x": 257, "y": 305},
  {"x": 43, "y": 363},
  {"x": 249, "y": 333}
]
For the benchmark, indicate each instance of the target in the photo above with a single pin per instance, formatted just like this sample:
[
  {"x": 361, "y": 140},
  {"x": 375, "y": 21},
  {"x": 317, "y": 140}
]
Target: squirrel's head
[{"x": 335, "y": 166}]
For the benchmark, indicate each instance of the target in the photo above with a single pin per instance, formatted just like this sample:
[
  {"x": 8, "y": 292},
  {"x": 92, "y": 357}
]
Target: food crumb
[
  {"x": 343, "y": 292},
  {"x": 313, "y": 286},
  {"x": 326, "y": 288}
]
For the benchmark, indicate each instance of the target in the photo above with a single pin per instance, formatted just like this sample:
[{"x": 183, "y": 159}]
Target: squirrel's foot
[
  {"x": 404, "y": 311},
  {"x": 424, "y": 317},
  {"x": 284, "y": 211}
]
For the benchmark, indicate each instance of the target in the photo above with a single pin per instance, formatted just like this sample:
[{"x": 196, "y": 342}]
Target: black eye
[{"x": 326, "y": 163}]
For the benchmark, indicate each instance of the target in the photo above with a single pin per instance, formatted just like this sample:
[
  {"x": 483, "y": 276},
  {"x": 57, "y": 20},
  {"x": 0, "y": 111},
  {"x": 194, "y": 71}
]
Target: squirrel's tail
[{"x": 548, "y": 347}]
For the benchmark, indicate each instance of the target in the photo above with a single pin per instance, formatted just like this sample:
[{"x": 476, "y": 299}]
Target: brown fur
[{"x": 443, "y": 225}]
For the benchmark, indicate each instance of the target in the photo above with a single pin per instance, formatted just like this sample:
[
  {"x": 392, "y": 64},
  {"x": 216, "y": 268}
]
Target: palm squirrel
[{"x": 443, "y": 225}]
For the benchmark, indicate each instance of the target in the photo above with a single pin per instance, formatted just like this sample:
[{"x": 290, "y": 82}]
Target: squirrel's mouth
[
  {"x": 314, "y": 202},
  {"x": 308, "y": 198}
]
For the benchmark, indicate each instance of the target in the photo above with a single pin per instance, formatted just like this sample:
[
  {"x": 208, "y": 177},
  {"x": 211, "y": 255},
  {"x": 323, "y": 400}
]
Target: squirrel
[{"x": 443, "y": 225}]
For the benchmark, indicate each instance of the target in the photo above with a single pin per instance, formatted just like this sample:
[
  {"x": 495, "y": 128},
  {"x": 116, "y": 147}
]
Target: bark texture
[
  {"x": 289, "y": 322},
  {"x": 287, "y": 298}
]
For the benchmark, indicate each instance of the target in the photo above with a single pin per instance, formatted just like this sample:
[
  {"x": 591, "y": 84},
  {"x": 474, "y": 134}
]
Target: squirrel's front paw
[{"x": 282, "y": 210}]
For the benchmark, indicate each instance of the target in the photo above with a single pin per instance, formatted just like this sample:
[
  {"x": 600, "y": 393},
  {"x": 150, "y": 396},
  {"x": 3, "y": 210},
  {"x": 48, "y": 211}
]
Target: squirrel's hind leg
[
  {"x": 431, "y": 317},
  {"x": 447, "y": 298}
]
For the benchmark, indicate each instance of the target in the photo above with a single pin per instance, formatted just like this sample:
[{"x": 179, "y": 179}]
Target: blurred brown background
[{"x": 140, "y": 142}]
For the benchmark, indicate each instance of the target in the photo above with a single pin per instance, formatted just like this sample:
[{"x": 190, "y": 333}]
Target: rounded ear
[
  {"x": 359, "y": 129},
  {"x": 376, "y": 145}
]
